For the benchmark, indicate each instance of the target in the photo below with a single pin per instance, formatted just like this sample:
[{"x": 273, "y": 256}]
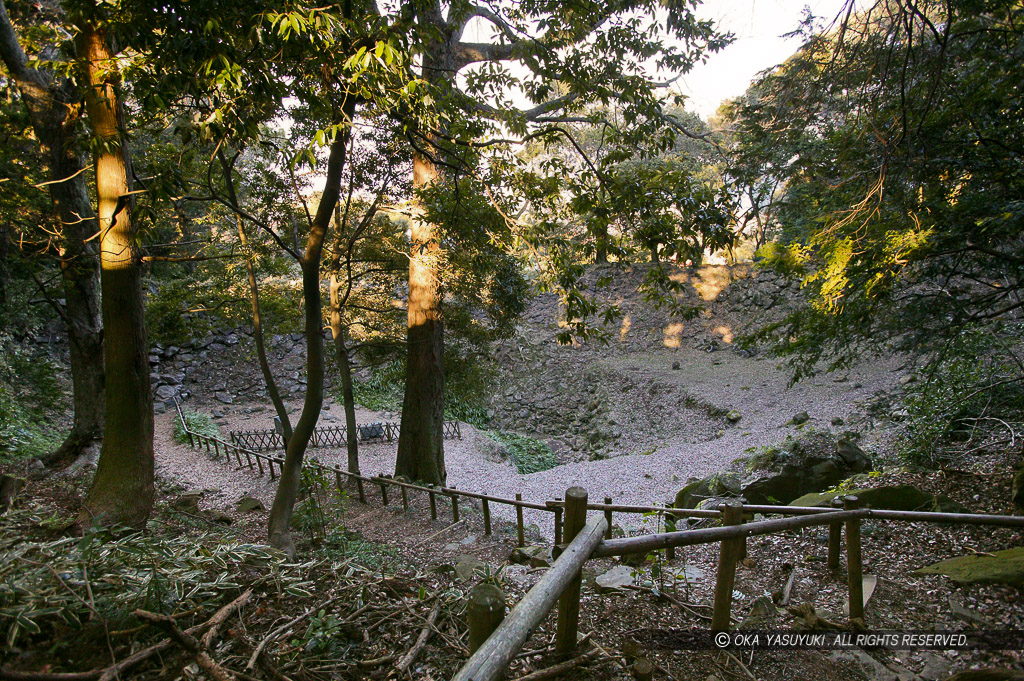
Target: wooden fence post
[
  {"x": 742, "y": 540},
  {"x": 835, "y": 538},
  {"x": 384, "y": 492},
  {"x": 519, "y": 521},
  {"x": 485, "y": 612},
  {"x": 558, "y": 526},
  {"x": 455, "y": 506},
  {"x": 608, "y": 517},
  {"x": 433, "y": 506},
  {"x": 854, "y": 567},
  {"x": 362, "y": 492},
  {"x": 486, "y": 507},
  {"x": 727, "y": 557},
  {"x": 670, "y": 526},
  {"x": 569, "y": 603},
  {"x": 405, "y": 500}
]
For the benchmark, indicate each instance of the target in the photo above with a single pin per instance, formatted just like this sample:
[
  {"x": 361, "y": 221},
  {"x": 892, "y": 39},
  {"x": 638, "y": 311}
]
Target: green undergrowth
[
  {"x": 198, "y": 422},
  {"x": 528, "y": 454},
  {"x": 29, "y": 394},
  {"x": 54, "y": 591},
  {"x": 969, "y": 400}
]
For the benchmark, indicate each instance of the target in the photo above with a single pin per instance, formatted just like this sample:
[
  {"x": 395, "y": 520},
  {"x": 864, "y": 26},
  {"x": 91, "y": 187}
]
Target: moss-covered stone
[
  {"x": 1002, "y": 567},
  {"x": 889, "y": 497}
]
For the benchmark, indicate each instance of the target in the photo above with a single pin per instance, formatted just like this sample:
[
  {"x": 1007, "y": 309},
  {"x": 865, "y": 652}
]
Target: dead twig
[
  {"x": 269, "y": 638},
  {"x": 428, "y": 629},
  {"x": 189, "y": 643}
]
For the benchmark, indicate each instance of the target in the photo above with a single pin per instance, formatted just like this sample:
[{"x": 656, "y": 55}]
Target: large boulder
[
  {"x": 698, "y": 489},
  {"x": 1001, "y": 567},
  {"x": 792, "y": 481},
  {"x": 811, "y": 463},
  {"x": 888, "y": 497}
]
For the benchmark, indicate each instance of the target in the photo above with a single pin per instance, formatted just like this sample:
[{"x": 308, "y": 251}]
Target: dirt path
[{"x": 752, "y": 386}]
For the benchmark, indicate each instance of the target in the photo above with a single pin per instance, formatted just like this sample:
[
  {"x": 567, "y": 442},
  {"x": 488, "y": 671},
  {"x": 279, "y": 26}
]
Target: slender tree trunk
[
  {"x": 654, "y": 253},
  {"x": 122, "y": 491},
  {"x": 601, "y": 256},
  {"x": 345, "y": 368},
  {"x": 50, "y": 106},
  {"x": 421, "y": 441},
  {"x": 254, "y": 299},
  {"x": 291, "y": 474}
]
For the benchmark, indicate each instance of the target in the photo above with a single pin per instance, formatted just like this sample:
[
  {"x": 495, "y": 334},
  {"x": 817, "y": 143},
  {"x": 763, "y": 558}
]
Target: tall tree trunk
[
  {"x": 655, "y": 257},
  {"x": 122, "y": 491},
  {"x": 345, "y": 368},
  {"x": 254, "y": 299},
  {"x": 279, "y": 530},
  {"x": 421, "y": 441},
  {"x": 50, "y": 106}
]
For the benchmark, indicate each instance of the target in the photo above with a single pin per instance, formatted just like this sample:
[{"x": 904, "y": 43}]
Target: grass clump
[
  {"x": 528, "y": 454},
  {"x": 198, "y": 423}
]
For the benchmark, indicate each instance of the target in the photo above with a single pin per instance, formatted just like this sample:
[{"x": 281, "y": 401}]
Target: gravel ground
[{"x": 753, "y": 386}]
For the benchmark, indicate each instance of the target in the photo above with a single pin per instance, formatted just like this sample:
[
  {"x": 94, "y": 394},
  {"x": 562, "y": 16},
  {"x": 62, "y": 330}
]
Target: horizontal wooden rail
[
  {"x": 491, "y": 660},
  {"x": 654, "y": 542}
]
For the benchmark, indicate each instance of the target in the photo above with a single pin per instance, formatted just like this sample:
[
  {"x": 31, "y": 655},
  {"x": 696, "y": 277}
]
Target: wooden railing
[
  {"x": 561, "y": 583},
  {"x": 579, "y": 540}
]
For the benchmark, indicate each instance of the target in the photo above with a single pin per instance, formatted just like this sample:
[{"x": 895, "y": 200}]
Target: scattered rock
[
  {"x": 224, "y": 398},
  {"x": 534, "y": 556},
  {"x": 216, "y": 515},
  {"x": 617, "y": 579},
  {"x": 248, "y": 503},
  {"x": 188, "y": 502},
  {"x": 466, "y": 566},
  {"x": 800, "y": 418},
  {"x": 9, "y": 488},
  {"x": 1001, "y": 567},
  {"x": 733, "y": 416},
  {"x": 676, "y": 366}
]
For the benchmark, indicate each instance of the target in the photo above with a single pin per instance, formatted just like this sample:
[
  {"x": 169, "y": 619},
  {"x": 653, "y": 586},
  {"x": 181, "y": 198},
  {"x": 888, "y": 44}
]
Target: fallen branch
[
  {"x": 428, "y": 629},
  {"x": 560, "y": 668},
  {"x": 189, "y": 643},
  {"x": 787, "y": 590},
  {"x": 438, "y": 533}
]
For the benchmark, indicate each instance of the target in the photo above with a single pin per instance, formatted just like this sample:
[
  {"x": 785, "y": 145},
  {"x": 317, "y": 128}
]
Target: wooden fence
[
  {"x": 578, "y": 539},
  {"x": 332, "y": 437},
  {"x": 588, "y": 540}
]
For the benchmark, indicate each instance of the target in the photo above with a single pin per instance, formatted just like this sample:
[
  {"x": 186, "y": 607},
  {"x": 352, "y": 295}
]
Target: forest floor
[{"x": 624, "y": 619}]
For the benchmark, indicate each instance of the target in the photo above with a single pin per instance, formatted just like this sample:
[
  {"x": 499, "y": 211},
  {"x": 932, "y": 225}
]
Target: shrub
[
  {"x": 971, "y": 399},
  {"x": 198, "y": 423},
  {"x": 528, "y": 455}
]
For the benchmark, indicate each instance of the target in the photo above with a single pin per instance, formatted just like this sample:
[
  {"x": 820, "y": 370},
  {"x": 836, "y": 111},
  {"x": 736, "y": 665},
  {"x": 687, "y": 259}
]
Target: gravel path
[{"x": 753, "y": 386}]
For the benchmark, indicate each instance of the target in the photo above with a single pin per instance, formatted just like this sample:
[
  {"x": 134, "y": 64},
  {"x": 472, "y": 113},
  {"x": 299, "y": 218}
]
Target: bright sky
[{"x": 758, "y": 26}]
